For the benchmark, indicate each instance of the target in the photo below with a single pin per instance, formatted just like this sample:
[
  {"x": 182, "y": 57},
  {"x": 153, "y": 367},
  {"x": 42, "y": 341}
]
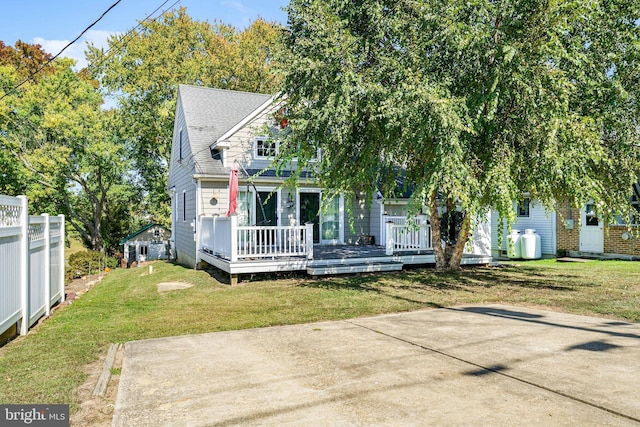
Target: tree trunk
[{"x": 448, "y": 254}]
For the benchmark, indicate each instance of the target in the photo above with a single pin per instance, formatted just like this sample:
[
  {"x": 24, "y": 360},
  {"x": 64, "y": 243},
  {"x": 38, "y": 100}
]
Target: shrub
[{"x": 88, "y": 262}]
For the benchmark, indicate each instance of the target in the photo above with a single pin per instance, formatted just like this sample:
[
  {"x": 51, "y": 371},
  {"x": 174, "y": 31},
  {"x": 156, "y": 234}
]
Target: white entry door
[{"x": 591, "y": 230}]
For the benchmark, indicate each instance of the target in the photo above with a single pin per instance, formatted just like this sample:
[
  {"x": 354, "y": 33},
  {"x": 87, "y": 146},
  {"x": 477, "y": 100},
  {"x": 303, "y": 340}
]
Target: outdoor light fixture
[{"x": 289, "y": 204}]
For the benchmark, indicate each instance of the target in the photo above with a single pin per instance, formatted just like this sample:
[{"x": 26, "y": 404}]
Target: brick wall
[
  {"x": 613, "y": 243},
  {"x": 567, "y": 239}
]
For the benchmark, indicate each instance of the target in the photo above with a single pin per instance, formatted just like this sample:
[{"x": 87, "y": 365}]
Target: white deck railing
[
  {"x": 31, "y": 264},
  {"x": 402, "y": 236},
  {"x": 399, "y": 220},
  {"x": 221, "y": 236}
]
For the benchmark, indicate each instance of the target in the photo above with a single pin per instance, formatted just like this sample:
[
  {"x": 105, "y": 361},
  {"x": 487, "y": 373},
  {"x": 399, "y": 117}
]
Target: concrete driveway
[{"x": 468, "y": 365}]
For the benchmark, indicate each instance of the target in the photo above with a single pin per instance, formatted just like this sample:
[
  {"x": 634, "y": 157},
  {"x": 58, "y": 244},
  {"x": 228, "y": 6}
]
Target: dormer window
[
  {"x": 218, "y": 148},
  {"x": 265, "y": 148}
]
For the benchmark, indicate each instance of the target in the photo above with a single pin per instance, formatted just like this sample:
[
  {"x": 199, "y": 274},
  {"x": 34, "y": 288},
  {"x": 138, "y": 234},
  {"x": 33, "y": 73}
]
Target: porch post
[
  {"x": 234, "y": 237},
  {"x": 424, "y": 234},
  {"x": 309, "y": 239},
  {"x": 390, "y": 240}
]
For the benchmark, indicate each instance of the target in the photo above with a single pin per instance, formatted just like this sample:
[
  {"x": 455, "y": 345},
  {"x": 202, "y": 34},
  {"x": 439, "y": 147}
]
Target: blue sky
[{"x": 53, "y": 23}]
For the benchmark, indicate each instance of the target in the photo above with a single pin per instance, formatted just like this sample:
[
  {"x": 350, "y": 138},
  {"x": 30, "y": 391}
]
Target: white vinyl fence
[{"x": 31, "y": 264}]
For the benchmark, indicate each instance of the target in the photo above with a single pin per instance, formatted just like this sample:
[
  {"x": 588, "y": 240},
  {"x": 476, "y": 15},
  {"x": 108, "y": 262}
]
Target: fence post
[
  {"x": 309, "y": 239},
  {"x": 234, "y": 237},
  {"x": 62, "y": 264},
  {"x": 390, "y": 238},
  {"x": 47, "y": 264},
  {"x": 23, "y": 261}
]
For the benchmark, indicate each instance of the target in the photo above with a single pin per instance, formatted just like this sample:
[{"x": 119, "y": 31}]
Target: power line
[
  {"x": 32, "y": 75},
  {"x": 105, "y": 55}
]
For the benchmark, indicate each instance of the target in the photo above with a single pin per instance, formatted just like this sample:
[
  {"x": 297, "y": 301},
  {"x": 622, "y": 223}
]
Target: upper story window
[
  {"x": 180, "y": 144},
  {"x": 523, "y": 208},
  {"x": 265, "y": 148}
]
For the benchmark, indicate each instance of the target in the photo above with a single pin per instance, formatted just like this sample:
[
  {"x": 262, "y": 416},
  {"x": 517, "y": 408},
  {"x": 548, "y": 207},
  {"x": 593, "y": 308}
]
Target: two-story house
[{"x": 275, "y": 228}]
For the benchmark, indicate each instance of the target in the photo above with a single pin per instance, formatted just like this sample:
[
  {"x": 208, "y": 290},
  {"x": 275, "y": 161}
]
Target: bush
[{"x": 88, "y": 262}]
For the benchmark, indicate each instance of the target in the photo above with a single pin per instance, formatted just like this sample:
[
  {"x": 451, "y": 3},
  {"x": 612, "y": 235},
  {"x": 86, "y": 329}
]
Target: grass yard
[{"x": 47, "y": 365}]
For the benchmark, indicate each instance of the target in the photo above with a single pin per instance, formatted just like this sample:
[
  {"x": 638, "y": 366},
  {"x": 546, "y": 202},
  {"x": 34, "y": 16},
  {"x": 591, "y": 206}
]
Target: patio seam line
[{"x": 498, "y": 372}]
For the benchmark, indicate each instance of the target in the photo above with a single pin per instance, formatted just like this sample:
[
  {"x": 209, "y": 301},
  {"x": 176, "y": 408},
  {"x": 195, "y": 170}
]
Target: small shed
[{"x": 149, "y": 243}]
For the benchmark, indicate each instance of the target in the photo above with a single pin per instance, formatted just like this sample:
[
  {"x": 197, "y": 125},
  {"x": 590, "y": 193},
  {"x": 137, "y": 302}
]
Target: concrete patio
[{"x": 467, "y": 365}]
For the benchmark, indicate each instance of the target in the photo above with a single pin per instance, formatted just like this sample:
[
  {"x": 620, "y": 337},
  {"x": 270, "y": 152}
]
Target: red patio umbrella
[{"x": 233, "y": 191}]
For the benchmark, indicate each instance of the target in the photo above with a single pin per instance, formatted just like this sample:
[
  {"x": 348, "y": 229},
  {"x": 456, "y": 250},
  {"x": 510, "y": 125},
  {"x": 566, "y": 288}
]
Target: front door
[
  {"x": 591, "y": 230},
  {"x": 267, "y": 215},
  {"x": 309, "y": 212}
]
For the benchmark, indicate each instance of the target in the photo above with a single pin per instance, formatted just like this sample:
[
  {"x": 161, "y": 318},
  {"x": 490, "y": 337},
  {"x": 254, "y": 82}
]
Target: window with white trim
[
  {"x": 184, "y": 205},
  {"x": 264, "y": 148},
  {"x": 523, "y": 209}
]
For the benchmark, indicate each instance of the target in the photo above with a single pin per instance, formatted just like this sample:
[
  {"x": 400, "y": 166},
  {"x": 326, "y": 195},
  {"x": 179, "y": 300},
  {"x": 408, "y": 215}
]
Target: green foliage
[
  {"x": 61, "y": 150},
  {"x": 88, "y": 262},
  {"x": 146, "y": 68},
  {"x": 474, "y": 103}
]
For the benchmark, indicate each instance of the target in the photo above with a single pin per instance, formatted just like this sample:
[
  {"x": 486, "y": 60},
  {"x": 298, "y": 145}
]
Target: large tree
[
  {"x": 144, "y": 68},
  {"x": 16, "y": 64},
  {"x": 65, "y": 149},
  {"x": 474, "y": 103}
]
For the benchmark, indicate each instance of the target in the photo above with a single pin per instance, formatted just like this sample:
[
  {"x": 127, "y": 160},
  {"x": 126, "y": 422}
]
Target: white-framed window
[
  {"x": 264, "y": 148},
  {"x": 144, "y": 250},
  {"x": 635, "y": 202},
  {"x": 180, "y": 145},
  {"x": 184, "y": 206},
  {"x": 523, "y": 209},
  {"x": 157, "y": 233}
]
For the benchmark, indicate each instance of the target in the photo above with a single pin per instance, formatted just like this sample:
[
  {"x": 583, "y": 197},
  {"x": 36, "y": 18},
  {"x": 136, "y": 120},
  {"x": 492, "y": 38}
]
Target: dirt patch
[
  {"x": 173, "y": 286},
  {"x": 98, "y": 410}
]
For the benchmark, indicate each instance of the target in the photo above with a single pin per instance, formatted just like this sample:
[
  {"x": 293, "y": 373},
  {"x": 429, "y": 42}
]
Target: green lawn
[
  {"x": 75, "y": 245},
  {"x": 46, "y": 366}
]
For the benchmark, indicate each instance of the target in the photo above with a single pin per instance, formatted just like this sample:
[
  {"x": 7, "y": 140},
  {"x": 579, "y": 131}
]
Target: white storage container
[
  {"x": 530, "y": 244},
  {"x": 513, "y": 245}
]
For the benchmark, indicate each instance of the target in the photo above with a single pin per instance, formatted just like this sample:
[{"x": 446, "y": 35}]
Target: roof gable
[
  {"x": 142, "y": 230},
  {"x": 210, "y": 114}
]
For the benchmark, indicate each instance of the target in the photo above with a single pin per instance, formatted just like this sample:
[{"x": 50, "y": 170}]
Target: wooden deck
[{"x": 338, "y": 259}]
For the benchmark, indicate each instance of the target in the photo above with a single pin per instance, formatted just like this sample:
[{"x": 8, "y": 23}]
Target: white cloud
[
  {"x": 76, "y": 50},
  {"x": 246, "y": 13}
]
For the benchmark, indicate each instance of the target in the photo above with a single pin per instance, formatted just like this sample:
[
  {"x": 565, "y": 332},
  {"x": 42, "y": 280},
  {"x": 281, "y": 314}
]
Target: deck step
[
  {"x": 351, "y": 261},
  {"x": 369, "y": 267}
]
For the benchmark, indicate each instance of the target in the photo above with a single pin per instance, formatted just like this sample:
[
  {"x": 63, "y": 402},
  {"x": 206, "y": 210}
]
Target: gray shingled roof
[{"x": 209, "y": 114}]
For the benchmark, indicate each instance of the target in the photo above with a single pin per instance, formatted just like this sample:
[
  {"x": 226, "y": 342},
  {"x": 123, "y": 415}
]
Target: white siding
[
  {"x": 181, "y": 180},
  {"x": 215, "y": 198},
  {"x": 375, "y": 220},
  {"x": 539, "y": 220},
  {"x": 481, "y": 238},
  {"x": 361, "y": 221},
  {"x": 241, "y": 143}
]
